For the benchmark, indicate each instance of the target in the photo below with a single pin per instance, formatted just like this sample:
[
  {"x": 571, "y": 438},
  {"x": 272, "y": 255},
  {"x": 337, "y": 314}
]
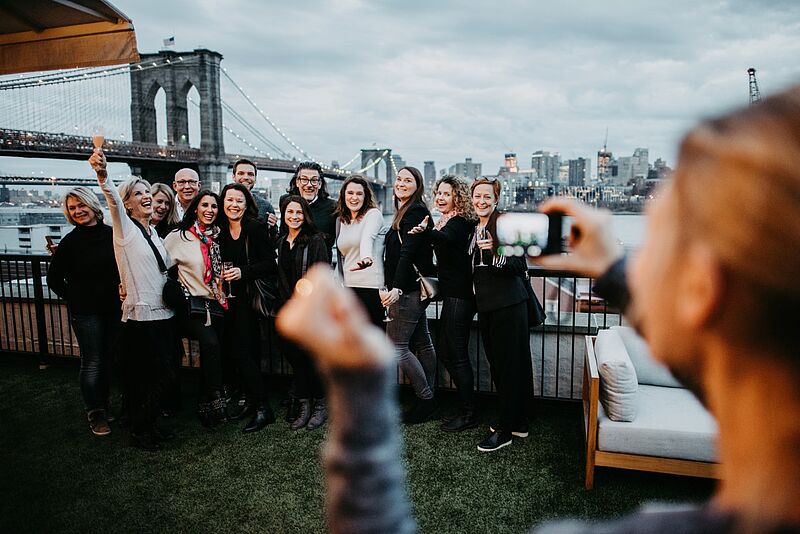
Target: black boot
[
  {"x": 462, "y": 422},
  {"x": 264, "y": 416},
  {"x": 303, "y": 414},
  {"x": 292, "y": 406},
  {"x": 422, "y": 411},
  {"x": 219, "y": 411},
  {"x": 319, "y": 415},
  {"x": 241, "y": 411}
]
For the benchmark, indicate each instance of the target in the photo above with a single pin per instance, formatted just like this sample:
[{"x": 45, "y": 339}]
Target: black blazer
[
  {"x": 453, "y": 260},
  {"x": 399, "y": 259},
  {"x": 500, "y": 284},
  {"x": 323, "y": 212},
  {"x": 261, "y": 257},
  {"x": 317, "y": 253}
]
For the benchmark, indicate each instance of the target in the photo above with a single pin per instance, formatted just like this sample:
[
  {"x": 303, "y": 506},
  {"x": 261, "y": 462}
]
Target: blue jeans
[
  {"x": 452, "y": 346},
  {"x": 409, "y": 328},
  {"x": 96, "y": 336}
]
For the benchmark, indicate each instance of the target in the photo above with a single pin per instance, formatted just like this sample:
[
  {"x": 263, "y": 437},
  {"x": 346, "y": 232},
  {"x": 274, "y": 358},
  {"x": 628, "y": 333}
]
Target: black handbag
[
  {"x": 203, "y": 308},
  {"x": 536, "y": 314},
  {"x": 262, "y": 293},
  {"x": 172, "y": 293}
]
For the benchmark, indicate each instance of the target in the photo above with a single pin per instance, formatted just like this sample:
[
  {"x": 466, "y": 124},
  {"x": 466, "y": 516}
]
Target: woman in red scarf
[{"x": 193, "y": 247}]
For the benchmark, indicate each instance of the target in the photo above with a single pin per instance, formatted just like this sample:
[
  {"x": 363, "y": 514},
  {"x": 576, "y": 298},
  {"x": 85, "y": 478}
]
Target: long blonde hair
[{"x": 737, "y": 187}]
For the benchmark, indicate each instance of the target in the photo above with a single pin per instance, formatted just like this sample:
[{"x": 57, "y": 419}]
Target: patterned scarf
[
  {"x": 444, "y": 218},
  {"x": 212, "y": 259}
]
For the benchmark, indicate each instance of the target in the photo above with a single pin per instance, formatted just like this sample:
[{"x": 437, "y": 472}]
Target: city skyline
[{"x": 443, "y": 82}]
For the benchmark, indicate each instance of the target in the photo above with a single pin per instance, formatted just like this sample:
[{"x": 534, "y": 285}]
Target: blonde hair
[
  {"x": 737, "y": 188},
  {"x": 126, "y": 187},
  {"x": 462, "y": 201},
  {"x": 84, "y": 195},
  {"x": 172, "y": 216}
]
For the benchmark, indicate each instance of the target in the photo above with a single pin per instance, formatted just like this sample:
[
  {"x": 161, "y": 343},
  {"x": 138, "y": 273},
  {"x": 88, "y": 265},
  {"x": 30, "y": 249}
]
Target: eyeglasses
[
  {"x": 182, "y": 183},
  {"x": 306, "y": 181}
]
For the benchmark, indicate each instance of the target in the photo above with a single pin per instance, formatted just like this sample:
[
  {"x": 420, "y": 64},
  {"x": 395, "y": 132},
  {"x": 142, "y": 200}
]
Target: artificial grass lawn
[{"x": 56, "y": 477}]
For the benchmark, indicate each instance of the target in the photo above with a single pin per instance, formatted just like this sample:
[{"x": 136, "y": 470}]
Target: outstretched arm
[
  {"x": 364, "y": 477},
  {"x": 122, "y": 224}
]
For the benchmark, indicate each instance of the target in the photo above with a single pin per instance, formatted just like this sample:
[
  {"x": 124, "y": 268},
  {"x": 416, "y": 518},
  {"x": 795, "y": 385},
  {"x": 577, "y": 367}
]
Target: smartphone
[{"x": 532, "y": 234}]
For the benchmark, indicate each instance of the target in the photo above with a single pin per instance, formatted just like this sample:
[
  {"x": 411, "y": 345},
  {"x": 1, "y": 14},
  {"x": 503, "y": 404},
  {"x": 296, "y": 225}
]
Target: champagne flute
[
  {"x": 98, "y": 137},
  {"x": 483, "y": 234},
  {"x": 383, "y": 292},
  {"x": 227, "y": 266}
]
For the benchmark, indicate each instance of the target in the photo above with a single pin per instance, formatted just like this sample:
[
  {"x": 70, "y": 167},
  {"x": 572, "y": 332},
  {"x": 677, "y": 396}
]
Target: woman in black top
[
  {"x": 503, "y": 318},
  {"x": 309, "y": 183},
  {"x": 301, "y": 247},
  {"x": 244, "y": 242},
  {"x": 451, "y": 238},
  {"x": 83, "y": 271},
  {"x": 405, "y": 254}
]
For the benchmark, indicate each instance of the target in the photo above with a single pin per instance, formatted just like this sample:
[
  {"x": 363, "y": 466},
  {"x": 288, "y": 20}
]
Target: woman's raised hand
[
  {"x": 98, "y": 163},
  {"x": 343, "y": 336},
  {"x": 362, "y": 264},
  {"x": 421, "y": 227}
]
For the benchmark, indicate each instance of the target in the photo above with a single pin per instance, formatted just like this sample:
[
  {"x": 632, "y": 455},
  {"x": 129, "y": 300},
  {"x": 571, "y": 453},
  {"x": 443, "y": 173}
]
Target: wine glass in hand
[
  {"x": 482, "y": 235},
  {"x": 227, "y": 266},
  {"x": 383, "y": 292}
]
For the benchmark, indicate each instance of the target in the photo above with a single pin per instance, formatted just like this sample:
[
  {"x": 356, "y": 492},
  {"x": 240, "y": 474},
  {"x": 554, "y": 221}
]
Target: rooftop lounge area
[{"x": 58, "y": 477}]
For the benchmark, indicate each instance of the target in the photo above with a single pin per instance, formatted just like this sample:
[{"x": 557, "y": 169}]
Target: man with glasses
[
  {"x": 309, "y": 184},
  {"x": 244, "y": 173},
  {"x": 186, "y": 186}
]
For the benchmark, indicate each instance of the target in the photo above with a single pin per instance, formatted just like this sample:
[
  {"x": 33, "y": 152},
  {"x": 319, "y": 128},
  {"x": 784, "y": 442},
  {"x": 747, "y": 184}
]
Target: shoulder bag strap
[
  {"x": 339, "y": 257},
  {"x": 399, "y": 236},
  {"x": 161, "y": 265},
  {"x": 305, "y": 261}
]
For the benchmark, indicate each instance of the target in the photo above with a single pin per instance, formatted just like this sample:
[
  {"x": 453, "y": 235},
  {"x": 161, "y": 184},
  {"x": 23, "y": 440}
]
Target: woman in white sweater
[
  {"x": 359, "y": 240},
  {"x": 147, "y": 338},
  {"x": 194, "y": 249}
]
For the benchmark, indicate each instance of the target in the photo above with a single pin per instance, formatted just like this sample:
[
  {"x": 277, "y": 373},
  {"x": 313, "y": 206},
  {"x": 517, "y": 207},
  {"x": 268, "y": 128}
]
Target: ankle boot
[
  {"x": 219, "y": 411},
  {"x": 464, "y": 421},
  {"x": 303, "y": 414},
  {"x": 264, "y": 416},
  {"x": 422, "y": 411},
  {"x": 319, "y": 415}
]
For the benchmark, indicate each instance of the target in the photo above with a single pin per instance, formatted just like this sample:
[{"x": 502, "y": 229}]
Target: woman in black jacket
[
  {"x": 298, "y": 249},
  {"x": 451, "y": 237},
  {"x": 83, "y": 271},
  {"x": 406, "y": 254},
  {"x": 244, "y": 243},
  {"x": 503, "y": 318}
]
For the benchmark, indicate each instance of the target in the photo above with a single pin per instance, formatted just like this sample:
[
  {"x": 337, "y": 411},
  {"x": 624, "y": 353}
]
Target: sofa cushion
[
  {"x": 671, "y": 423},
  {"x": 648, "y": 370},
  {"x": 618, "y": 382}
]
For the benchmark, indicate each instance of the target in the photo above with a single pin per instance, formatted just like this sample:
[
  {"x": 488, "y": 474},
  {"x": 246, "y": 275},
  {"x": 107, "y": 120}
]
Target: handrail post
[{"x": 38, "y": 302}]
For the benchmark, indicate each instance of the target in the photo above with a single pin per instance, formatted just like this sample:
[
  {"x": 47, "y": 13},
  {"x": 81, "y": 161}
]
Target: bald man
[{"x": 186, "y": 186}]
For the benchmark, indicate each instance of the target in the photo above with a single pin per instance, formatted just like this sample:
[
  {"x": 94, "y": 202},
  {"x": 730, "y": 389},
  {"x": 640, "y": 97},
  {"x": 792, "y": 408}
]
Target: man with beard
[
  {"x": 309, "y": 183},
  {"x": 714, "y": 291}
]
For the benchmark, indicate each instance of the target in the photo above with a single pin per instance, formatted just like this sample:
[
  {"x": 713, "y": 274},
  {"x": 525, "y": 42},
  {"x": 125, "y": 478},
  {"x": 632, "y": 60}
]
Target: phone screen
[{"x": 531, "y": 234}]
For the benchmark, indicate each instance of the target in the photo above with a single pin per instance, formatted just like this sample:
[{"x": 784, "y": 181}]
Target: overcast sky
[{"x": 445, "y": 80}]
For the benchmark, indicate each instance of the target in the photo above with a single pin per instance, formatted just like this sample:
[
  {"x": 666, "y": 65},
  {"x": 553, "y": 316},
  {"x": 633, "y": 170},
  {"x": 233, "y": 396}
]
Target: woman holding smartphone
[
  {"x": 194, "y": 249},
  {"x": 501, "y": 300},
  {"x": 246, "y": 255}
]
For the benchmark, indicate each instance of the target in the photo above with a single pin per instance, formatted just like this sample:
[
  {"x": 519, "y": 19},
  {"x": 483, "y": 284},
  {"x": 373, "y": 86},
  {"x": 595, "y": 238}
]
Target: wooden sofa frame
[{"x": 594, "y": 457}]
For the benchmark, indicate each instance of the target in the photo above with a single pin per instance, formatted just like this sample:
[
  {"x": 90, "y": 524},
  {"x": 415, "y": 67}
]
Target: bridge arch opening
[
  {"x": 160, "y": 115},
  {"x": 193, "y": 104}
]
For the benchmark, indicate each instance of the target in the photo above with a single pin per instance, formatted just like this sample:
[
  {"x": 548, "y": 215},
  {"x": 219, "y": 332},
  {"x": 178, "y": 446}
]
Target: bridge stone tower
[
  {"x": 199, "y": 69},
  {"x": 384, "y": 194}
]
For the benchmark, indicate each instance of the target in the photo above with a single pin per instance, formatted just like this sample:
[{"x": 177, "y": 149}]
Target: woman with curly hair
[{"x": 451, "y": 237}]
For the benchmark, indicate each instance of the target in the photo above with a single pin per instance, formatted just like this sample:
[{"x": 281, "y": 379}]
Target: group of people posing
[{"x": 215, "y": 268}]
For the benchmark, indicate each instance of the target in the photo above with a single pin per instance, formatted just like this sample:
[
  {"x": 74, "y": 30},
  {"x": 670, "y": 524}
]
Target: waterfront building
[
  {"x": 580, "y": 171},
  {"x": 546, "y": 165},
  {"x": 468, "y": 169},
  {"x": 511, "y": 162},
  {"x": 604, "y": 158},
  {"x": 429, "y": 174}
]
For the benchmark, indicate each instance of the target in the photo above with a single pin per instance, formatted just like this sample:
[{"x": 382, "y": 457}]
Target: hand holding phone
[{"x": 531, "y": 234}]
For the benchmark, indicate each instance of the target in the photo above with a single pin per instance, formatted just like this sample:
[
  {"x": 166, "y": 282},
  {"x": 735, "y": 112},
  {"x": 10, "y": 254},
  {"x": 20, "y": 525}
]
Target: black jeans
[
  {"x": 307, "y": 382},
  {"x": 506, "y": 340},
  {"x": 371, "y": 300},
  {"x": 148, "y": 349},
  {"x": 452, "y": 346},
  {"x": 97, "y": 335},
  {"x": 243, "y": 345},
  {"x": 210, "y": 340}
]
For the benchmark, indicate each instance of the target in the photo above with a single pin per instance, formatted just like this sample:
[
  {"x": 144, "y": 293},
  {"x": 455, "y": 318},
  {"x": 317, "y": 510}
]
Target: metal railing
[{"x": 34, "y": 321}]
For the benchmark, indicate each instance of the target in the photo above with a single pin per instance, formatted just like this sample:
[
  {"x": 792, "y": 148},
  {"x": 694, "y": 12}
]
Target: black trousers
[
  {"x": 371, "y": 301},
  {"x": 307, "y": 382},
  {"x": 210, "y": 340},
  {"x": 507, "y": 344},
  {"x": 452, "y": 346},
  {"x": 147, "y": 349},
  {"x": 243, "y": 345}
]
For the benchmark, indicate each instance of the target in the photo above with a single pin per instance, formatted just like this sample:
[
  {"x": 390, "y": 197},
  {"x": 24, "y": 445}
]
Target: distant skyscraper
[
  {"x": 468, "y": 169},
  {"x": 429, "y": 173},
  {"x": 511, "y": 162},
  {"x": 580, "y": 171},
  {"x": 640, "y": 162},
  {"x": 604, "y": 158},
  {"x": 546, "y": 165},
  {"x": 624, "y": 170}
]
